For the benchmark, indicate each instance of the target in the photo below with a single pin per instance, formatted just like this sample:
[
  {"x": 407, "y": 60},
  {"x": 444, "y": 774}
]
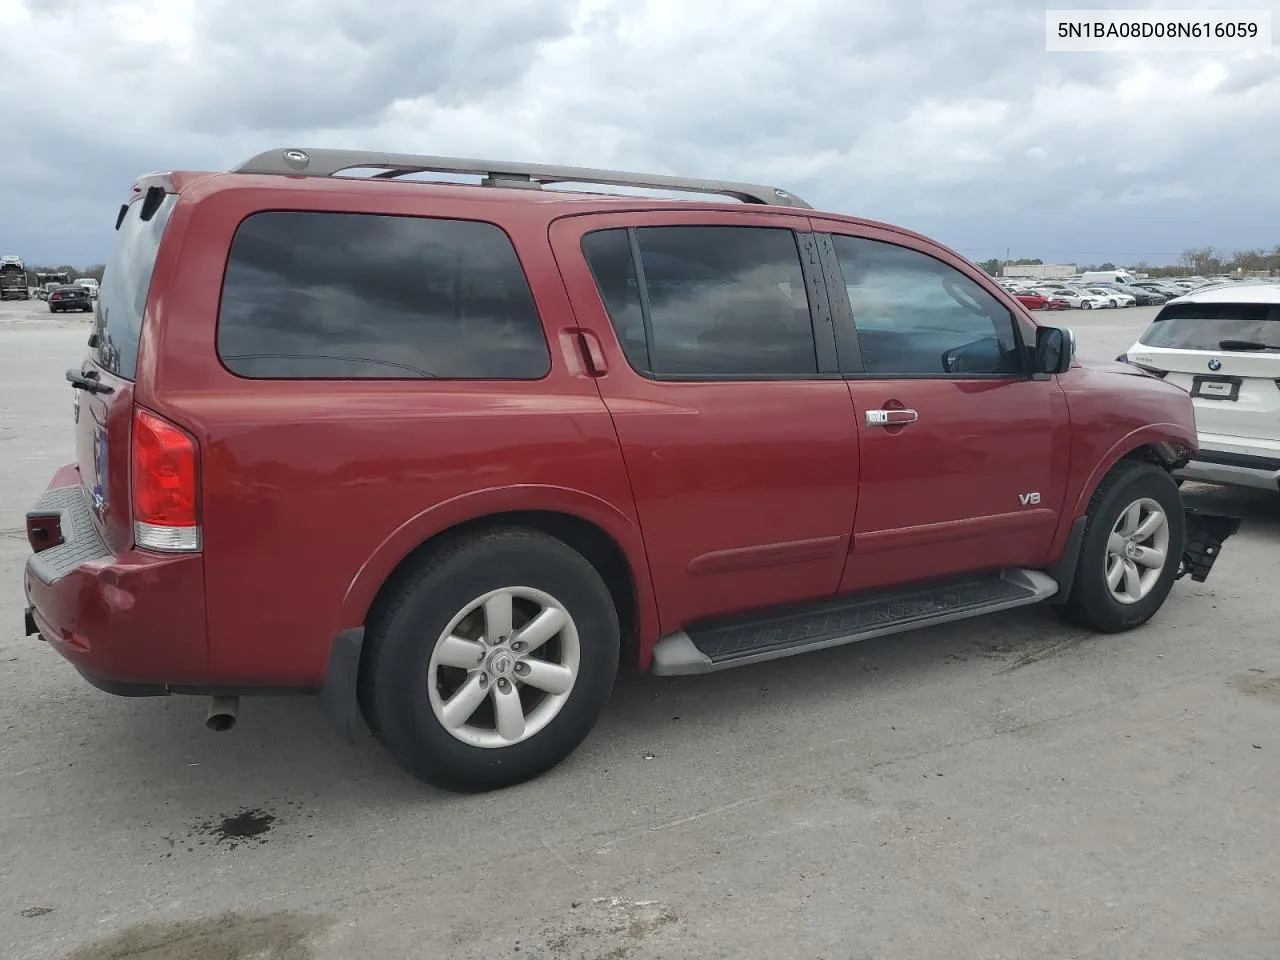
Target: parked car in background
[
  {"x": 90, "y": 284},
  {"x": 555, "y": 433},
  {"x": 1112, "y": 296},
  {"x": 1222, "y": 346},
  {"x": 66, "y": 297},
  {"x": 1142, "y": 296},
  {"x": 1161, "y": 288},
  {"x": 1031, "y": 300},
  {"x": 1083, "y": 300}
]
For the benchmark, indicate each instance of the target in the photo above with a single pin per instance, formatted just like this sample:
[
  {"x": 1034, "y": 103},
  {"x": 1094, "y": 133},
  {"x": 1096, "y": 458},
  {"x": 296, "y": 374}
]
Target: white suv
[{"x": 1222, "y": 345}]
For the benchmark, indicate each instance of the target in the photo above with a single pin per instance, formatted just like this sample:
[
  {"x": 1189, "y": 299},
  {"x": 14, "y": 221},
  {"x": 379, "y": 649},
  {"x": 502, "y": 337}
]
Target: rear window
[
  {"x": 366, "y": 296},
  {"x": 1206, "y": 326},
  {"x": 122, "y": 295}
]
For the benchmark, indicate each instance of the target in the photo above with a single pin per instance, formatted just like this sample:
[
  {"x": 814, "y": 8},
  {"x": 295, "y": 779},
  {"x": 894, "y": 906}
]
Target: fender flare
[{"x": 476, "y": 505}]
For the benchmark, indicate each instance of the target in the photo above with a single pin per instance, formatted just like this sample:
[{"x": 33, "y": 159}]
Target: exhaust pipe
[{"x": 223, "y": 713}]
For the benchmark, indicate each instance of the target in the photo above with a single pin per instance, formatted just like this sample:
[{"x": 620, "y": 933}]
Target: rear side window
[
  {"x": 715, "y": 301},
  {"x": 363, "y": 296},
  {"x": 1215, "y": 326},
  {"x": 122, "y": 295}
]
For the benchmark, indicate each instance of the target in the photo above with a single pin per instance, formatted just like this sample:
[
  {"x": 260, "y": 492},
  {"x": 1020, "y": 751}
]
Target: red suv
[{"x": 446, "y": 454}]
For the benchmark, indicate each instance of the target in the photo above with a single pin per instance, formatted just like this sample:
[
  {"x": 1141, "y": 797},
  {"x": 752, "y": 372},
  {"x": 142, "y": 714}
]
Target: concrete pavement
[{"x": 1002, "y": 788}]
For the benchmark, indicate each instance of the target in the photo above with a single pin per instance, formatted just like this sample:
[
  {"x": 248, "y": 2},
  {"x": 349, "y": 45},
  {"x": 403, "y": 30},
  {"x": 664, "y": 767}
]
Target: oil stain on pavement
[
  {"x": 248, "y": 826},
  {"x": 231, "y": 936},
  {"x": 1259, "y": 683}
]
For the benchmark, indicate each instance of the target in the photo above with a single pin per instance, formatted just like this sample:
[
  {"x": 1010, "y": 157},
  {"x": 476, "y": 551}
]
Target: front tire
[
  {"x": 492, "y": 661},
  {"x": 1131, "y": 550}
]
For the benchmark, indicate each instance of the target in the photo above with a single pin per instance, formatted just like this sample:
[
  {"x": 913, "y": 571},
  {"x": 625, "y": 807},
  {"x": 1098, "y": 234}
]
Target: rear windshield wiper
[
  {"x": 87, "y": 383},
  {"x": 1244, "y": 345}
]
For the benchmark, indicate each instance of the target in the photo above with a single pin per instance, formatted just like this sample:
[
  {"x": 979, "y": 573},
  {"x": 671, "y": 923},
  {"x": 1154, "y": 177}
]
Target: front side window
[
  {"x": 917, "y": 316},
  {"x": 363, "y": 296},
  {"x": 715, "y": 301}
]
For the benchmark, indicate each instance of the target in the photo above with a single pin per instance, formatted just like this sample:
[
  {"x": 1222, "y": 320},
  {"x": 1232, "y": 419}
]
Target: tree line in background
[{"x": 1199, "y": 261}]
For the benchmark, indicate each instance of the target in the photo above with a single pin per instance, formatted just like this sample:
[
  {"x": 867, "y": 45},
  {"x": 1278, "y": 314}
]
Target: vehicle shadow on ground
[
  {"x": 285, "y": 763},
  {"x": 284, "y": 752}
]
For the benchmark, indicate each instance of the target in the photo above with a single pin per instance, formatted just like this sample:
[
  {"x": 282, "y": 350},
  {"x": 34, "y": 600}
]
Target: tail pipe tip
[{"x": 223, "y": 713}]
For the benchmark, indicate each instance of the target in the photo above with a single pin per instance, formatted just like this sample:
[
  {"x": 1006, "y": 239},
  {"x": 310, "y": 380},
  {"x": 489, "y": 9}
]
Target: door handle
[{"x": 891, "y": 418}]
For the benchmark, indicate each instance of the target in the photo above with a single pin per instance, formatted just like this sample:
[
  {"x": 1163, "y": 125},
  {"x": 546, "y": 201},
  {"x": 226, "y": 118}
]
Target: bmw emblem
[{"x": 1215, "y": 364}]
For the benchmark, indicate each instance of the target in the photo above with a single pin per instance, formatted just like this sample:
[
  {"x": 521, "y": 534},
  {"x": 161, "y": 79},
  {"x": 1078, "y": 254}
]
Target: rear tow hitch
[{"x": 1206, "y": 533}]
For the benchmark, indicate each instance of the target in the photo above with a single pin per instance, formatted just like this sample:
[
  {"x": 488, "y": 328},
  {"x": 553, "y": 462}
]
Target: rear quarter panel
[{"x": 314, "y": 490}]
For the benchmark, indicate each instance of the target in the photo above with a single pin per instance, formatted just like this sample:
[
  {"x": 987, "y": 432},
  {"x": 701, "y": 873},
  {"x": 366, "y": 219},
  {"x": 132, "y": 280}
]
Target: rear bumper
[
  {"x": 131, "y": 622},
  {"x": 1230, "y": 468}
]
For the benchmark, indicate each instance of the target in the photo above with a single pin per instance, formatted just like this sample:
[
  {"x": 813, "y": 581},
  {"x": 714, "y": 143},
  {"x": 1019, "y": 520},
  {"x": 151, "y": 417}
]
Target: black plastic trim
[
  {"x": 1064, "y": 571},
  {"x": 815, "y": 288},
  {"x": 1205, "y": 534},
  {"x": 339, "y": 692},
  {"x": 846, "y": 332},
  {"x": 1245, "y": 460},
  {"x": 122, "y": 689}
]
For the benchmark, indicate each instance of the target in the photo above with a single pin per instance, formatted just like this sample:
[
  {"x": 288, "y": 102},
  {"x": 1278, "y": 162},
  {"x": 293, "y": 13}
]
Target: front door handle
[{"x": 891, "y": 418}]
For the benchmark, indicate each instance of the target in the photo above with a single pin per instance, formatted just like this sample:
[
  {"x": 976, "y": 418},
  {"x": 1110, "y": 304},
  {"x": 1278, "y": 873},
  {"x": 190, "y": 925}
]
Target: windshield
[{"x": 1205, "y": 326}]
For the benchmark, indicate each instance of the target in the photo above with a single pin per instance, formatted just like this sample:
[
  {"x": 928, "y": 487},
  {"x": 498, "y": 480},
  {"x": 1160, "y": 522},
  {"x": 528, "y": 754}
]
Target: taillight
[{"x": 166, "y": 513}]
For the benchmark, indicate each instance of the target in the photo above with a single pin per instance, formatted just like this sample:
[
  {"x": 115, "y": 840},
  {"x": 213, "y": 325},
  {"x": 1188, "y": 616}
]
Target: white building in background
[{"x": 1040, "y": 271}]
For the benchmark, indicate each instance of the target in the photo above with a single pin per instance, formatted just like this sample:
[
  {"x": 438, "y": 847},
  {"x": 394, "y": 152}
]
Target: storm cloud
[{"x": 947, "y": 117}]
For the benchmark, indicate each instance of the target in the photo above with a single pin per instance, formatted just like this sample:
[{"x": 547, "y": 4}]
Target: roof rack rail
[{"x": 497, "y": 173}]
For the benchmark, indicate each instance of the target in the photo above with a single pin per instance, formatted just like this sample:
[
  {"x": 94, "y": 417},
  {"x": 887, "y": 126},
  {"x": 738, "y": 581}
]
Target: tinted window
[
  {"x": 917, "y": 316},
  {"x": 362, "y": 296},
  {"x": 608, "y": 253},
  {"x": 122, "y": 295},
  {"x": 1204, "y": 326},
  {"x": 718, "y": 301}
]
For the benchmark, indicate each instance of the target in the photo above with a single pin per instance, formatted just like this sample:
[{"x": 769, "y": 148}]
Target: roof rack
[{"x": 497, "y": 173}]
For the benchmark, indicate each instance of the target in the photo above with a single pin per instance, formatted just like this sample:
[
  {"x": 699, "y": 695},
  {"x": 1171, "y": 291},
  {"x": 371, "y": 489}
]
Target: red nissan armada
[{"x": 447, "y": 454}]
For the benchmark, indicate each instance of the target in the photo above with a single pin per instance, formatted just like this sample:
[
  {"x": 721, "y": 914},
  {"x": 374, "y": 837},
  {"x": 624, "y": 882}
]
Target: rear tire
[
  {"x": 442, "y": 643},
  {"x": 1135, "y": 515}
]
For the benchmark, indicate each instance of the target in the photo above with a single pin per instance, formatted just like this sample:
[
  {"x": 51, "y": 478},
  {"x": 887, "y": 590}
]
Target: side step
[{"x": 718, "y": 645}]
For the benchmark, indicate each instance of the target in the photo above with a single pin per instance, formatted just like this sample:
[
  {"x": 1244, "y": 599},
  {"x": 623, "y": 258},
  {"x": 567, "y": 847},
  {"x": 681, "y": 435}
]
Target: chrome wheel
[
  {"x": 1137, "y": 550},
  {"x": 504, "y": 667}
]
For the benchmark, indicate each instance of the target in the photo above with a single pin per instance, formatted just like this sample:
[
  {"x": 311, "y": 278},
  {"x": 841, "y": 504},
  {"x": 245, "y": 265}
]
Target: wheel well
[
  {"x": 600, "y": 550},
  {"x": 1163, "y": 454}
]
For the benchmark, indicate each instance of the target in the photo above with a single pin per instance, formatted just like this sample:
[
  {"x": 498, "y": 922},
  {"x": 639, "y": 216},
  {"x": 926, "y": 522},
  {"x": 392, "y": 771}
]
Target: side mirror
[{"x": 1055, "y": 349}]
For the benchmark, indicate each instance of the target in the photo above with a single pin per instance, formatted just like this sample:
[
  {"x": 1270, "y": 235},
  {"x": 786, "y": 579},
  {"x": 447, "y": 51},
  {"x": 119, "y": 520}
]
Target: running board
[{"x": 707, "y": 647}]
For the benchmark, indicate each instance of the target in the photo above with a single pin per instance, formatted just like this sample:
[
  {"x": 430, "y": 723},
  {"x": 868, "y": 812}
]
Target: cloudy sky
[{"x": 946, "y": 116}]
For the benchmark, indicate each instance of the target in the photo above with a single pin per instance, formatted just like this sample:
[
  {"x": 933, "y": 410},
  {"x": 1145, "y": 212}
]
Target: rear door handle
[{"x": 891, "y": 418}]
